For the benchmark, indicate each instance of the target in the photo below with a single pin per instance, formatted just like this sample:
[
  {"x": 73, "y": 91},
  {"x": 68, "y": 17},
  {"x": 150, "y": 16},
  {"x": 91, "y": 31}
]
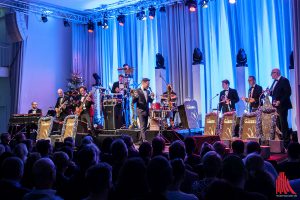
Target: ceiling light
[
  {"x": 121, "y": 20},
  {"x": 105, "y": 24},
  {"x": 91, "y": 26},
  {"x": 152, "y": 12},
  {"x": 66, "y": 23},
  {"x": 232, "y": 1},
  {"x": 44, "y": 18},
  {"x": 192, "y": 4},
  {"x": 141, "y": 15},
  {"x": 162, "y": 9},
  {"x": 204, "y": 3}
]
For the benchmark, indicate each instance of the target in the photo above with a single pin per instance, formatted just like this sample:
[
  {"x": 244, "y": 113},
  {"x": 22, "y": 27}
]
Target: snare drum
[
  {"x": 166, "y": 114},
  {"x": 156, "y": 106},
  {"x": 117, "y": 96},
  {"x": 107, "y": 96}
]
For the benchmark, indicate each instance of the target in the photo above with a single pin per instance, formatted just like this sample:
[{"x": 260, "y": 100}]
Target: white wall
[{"x": 47, "y": 62}]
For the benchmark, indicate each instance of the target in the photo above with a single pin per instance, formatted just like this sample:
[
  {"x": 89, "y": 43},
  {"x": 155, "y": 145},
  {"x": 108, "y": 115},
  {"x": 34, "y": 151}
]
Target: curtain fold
[{"x": 296, "y": 34}]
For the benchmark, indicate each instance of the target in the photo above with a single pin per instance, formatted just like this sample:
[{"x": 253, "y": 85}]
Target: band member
[
  {"x": 118, "y": 86},
  {"x": 254, "y": 94},
  {"x": 280, "y": 92},
  {"x": 34, "y": 109},
  {"x": 143, "y": 98},
  {"x": 228, "y": 98},
  {"x": 85, "y": 103},
  {"x": 61, "y": 105}
]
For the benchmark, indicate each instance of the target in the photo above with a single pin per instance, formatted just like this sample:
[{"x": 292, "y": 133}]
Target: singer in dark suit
[
  {"x": 228, "y": 98},
  {"x": 280, "y": 92},
  {"x": 34, "y": 109},
  {"x": 143, "y": 97},
  {"x": 254, "y": 94}
]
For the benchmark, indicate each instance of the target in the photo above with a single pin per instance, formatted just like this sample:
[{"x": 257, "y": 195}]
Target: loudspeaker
[
  {"x": 112, "y": 116},
  {"x": 188, "y": 113}
]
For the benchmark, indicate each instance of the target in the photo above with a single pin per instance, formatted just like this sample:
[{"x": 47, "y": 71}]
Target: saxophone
[
  {"x": 133, "y": 94},
  {"x": 169, "y": 92}
]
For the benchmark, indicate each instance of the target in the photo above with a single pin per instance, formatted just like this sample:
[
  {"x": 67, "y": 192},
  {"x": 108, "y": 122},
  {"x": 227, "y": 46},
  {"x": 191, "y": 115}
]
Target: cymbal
[{"x": 127, "y": 70}]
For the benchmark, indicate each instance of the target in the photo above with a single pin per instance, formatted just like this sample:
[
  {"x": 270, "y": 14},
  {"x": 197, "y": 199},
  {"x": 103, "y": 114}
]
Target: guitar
[
  {"x": 60, "y": 108},
  {"x": 79, "y": 109}
]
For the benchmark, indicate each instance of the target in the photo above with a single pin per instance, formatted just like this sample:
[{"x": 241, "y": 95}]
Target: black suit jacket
[
  {"x": 232, "y": 96},
  {"x": 38, "y": 111},
  {"x": 115, "y": 85},
  {"x": 141, "y": 103},
  {"x": 282, "y": 92},
  {"x": 255, "y": 95},
  {"x": 58, "y": 101},
  {"x": 88, "y": 104}
]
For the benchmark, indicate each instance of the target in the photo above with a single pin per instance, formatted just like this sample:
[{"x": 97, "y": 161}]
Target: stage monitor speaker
[
  {"x": 188, "y": 113},
  {"x": 112, "y": 117}
]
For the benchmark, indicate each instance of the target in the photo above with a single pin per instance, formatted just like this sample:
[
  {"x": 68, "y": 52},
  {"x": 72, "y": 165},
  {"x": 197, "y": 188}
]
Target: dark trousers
[
  {"x": 282, "y": 122},
  {"x": 85, "y": 117},
  {"x": 143, "y": 118}
]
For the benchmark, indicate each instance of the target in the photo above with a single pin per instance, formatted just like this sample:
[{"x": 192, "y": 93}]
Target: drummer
[
  {"x": 164, "y": 97},
  {"x": 118, "y": 87}
]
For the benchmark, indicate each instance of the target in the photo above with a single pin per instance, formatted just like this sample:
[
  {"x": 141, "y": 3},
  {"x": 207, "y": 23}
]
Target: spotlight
[
  {"x": 141, "y": 15},
  {"x": 44, "y": 18},
  {"x": 91, "y": 26},
  {"x": 197, "y": 56},
  {"x": 152, "y": 12},
  {"x": 105, "y": 24},
  {"x": 99, "y": 23},
  {"x": 192, "y": 4},
  {"x": 121, "y": 20},
  {"x": 66, "y": 23},
  {"x": 241, "y": 58},
  {"x": 204, "y": 3},
  {"x": 232, "y": 1},
  {"x": 162, "y": 9}
]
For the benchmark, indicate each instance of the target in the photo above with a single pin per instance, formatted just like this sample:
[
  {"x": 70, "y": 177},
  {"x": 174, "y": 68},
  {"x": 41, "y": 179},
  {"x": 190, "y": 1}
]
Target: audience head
[
  {"x": 158, "y": 145},
  {"x": 87, "y": 156},
  {"x": 212, "y": 164},
  {"x": 132, "y": 177},
  {"x": 61, "y": 161},
  {"x": 44, "y": 173},
  {"x": 5, "y": 138},
  {"x": 294, "y": 151},
  {"x": 44, "y": 147},
  {"x": 119, "y": 151},
  {"x": 106, "y": 143},
  {"x": 253, "y": 147},
  {"x": 254, "y": 162},
  {"x": 159, "y": 174},
  {"x": 87, "y": 140},
  {"x": 145, "y": 150},
  {"x": 12, "y": 169},
  {"x": 177, "y": 150},
  {"x": 20, "y": 137},
  {"x": 21, "y": 151},
  {"x": 29, "y": 144},
  {"x": 128, "y": 141},
  {"x": 178, "y": 171},
  {"x": 238, "y": 147},
  {"x": 234, "y": 171},
  {"x": 99, "y": 178},
  {"x": 69, "y": 141},
  {"x": 68, "y": 150},
  {"x": 206, "y": 147},
  {"x": 190, "y": 145},
  {"x": 220, "y": 148},
  {"x": 219, "y": 189}
]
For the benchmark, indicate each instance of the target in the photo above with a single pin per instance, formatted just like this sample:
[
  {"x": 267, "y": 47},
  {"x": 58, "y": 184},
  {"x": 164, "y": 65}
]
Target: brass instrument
[{"x": 169, "y": 92}]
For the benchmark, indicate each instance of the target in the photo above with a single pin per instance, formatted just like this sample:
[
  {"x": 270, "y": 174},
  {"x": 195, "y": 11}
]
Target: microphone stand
[{"x": 210, "y": 107}]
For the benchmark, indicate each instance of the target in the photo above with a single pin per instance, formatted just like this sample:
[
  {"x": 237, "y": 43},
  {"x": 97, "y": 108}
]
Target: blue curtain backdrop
[{"x": 262, "y": 27}]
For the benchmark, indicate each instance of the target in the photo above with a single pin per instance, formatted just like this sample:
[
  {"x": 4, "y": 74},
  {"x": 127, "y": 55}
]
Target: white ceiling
[{"x": 80, "y": 5}]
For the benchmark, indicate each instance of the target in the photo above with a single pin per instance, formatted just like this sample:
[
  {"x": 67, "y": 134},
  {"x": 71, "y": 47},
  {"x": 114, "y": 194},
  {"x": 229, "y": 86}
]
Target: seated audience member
[
  {"x": 292, "y": 166},
  {"x": 17, "y": 139},
  {"x": 105, "y": 150},
  {"x": 44, "y": 178},
  {"x": 254, "y": 147},
  {"x": 177, "y": 150},
  {"x": 69, "y": 141},
  {"x": 87, "y": 140},
  {"x": 220, "y": 148},
  {"x": 132, "y": 181},
  {"x": 12, "y": 171},
  {"x": 27, "y": 180},
  {"x": 2, "y": 149},
  {"x": 220, "y": 189},
  {"x": 4, "y": 156},
  {"x": 44, "y": 148},
  {"x": 234, "y": 172},
  {"x": 21, "y": 151},
  {"x": 72, "y": 168},
  {"x": 258, "y": 179},
  {"x": 132, "y": 152},
  {"x": 29, "y": 145},
  {"x": 5, "y": 140},
  {"x": 119, "y": 154},
  {"x": 295, "y": 185},
  {"x": 61, "y": 161},
  {"x": 206, "y": 147},
  {"x": 159, "y": 176},
  {"x": 174, "y": 192},
  {"x": 212, "y": 165},
  {"x": 99, "y": 181},
  {"x": 192, "y": 159},
  {"x": 145, "y": 152},
  {"x": 238, "y": 148},
  {"x": 87, "y": 157},
  {"x": 158, "y": 146}
]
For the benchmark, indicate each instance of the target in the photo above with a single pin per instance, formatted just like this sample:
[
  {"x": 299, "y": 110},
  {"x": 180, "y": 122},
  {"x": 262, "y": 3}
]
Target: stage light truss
[{"x": 52, "y": 11}]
